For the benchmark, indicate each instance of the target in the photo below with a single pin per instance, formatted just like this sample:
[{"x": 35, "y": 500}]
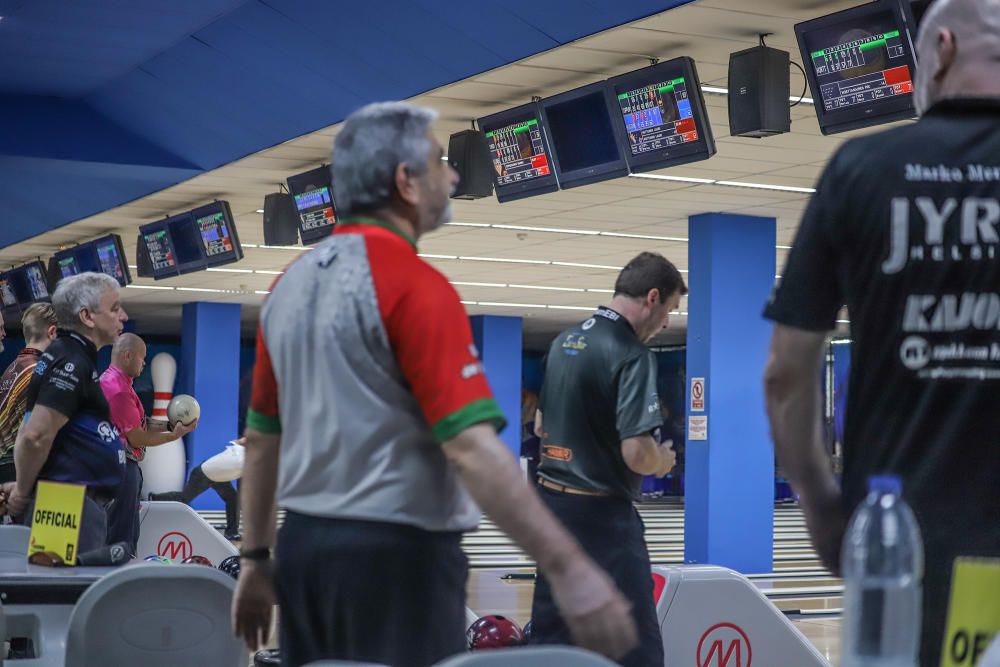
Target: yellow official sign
[
  {"x": 55, "y": 521},
  {"x": 973, "y": 612}
]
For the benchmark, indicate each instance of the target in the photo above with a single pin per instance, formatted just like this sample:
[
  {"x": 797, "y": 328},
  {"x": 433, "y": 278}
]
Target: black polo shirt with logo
[
  {"x": 88, "y": 449},
  {"x": 599, "y": 389},
  {"x": 905, "y": 230}
]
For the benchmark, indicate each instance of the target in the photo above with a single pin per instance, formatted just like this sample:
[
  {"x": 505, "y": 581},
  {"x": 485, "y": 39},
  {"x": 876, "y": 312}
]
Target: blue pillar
[
  {"x": 499, "y": 341},
  {"x": 210, "y": 366},
  {"x": 729, "y": 470}
]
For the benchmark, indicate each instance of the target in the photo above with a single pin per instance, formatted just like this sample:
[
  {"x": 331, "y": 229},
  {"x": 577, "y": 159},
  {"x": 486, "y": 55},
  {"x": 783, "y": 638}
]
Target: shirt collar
[
  {"x": 122, "y": 375},
  {"x": 375, "y": 222},
  {"x": 29, "y": 351},
  {"x": 82, "y": 341},
  {"x": 613, "y": 315},
  {"x": 956, "y": 105}
]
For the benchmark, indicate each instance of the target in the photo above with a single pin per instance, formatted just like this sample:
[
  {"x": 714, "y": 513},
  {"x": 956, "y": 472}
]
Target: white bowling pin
[{"x": 164, "y": 466}]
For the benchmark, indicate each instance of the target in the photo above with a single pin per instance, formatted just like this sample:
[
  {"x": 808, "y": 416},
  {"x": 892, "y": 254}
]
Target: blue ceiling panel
[
  {"x": 68, "y": 48},
  {"x": 148, "y": 93},
  {"x": 40, "y": 190}
]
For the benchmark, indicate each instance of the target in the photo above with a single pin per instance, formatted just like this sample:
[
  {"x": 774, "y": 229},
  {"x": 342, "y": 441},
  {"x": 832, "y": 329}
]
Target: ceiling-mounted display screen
[
  {"x": 313, "y": 195},
  {"x": 103, "y": 255},
  {"x": 7, "y": 297},
  {"x": 193, "y": 241},
  {"x": 519, "y": 148},
  {"x": 25, "y": 285},
  {"x": 860, "y": 65},
  {"x": 586, "y": 148},
  {"x": 660, "y": 111}
]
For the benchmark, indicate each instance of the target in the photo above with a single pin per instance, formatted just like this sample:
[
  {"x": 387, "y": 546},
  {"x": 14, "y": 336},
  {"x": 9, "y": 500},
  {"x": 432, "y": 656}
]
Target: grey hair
[
  {"x": 375, "y": 140},
  {"x": 77, "y": 292}
]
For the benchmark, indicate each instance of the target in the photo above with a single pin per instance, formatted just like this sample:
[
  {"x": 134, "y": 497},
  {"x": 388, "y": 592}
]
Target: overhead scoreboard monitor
[
  {"x": 661, "y": 111},
  {"x": 644, "y": 120},
  {"x": 860, "y": 65},
  {"x": 312, "y": 192},
  {"x": 192, "y": 241},
  {"x": 22, "y": 286},
  {"x": 104, "y": 255},
  {"x": 586, "y": 148},
  {"x": 519, "y": 150}
]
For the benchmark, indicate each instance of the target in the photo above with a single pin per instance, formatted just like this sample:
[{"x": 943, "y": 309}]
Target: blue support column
[
  {"x": 729, "y": 472},
  {"x": 210, "y": 365},
  {"x": 499, "y": 341}
]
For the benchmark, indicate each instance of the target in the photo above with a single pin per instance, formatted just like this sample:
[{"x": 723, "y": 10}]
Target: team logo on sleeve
[
  {"x": 107, "y": 432},
  {"x": 589, "y": 323},
  {"x": 70, "y": 367}
]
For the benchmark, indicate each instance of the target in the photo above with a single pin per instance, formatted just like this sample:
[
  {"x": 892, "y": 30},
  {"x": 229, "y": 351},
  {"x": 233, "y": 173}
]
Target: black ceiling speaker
[
  {"x": 469, "y": 155},
  {"x": 759, "y": 92},
  {"x": 281, "y": 220}
]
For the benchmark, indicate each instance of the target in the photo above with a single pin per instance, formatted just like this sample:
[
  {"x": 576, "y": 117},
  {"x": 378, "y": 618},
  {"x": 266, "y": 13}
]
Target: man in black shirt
[
  {"x": 68, "y": 435},
  {"x": 597, "y": 415},
  {"x": 903, "y": 229}
]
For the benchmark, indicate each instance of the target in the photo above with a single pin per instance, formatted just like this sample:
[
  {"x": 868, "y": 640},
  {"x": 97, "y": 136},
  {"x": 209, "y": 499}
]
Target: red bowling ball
[
  {"x": 494, "y": 631},
  {"x": 197, "y": 560}
]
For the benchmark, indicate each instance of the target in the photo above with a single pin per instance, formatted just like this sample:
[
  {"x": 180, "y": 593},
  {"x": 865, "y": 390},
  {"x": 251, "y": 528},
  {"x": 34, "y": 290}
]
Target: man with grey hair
[
  {"x": 372, "y": 416},
  {"x": 68, "y": 435},
  {"x": 902, "y": 229}
]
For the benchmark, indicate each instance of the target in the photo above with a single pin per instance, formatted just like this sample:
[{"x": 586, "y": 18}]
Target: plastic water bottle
[{"x": 883, "y": 565}]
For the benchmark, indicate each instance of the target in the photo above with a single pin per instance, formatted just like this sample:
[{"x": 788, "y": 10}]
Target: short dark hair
[{"x": 650, "y": 270}]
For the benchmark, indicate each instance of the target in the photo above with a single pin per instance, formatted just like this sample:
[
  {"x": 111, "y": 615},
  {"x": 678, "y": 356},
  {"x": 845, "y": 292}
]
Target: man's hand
[
  {"x": 16, "y": 501},
  {"x": 180, "y": 430},
  {"x": 668, "y": 458},
  {"x": 598, "y": 616},
  {"x": 253, "y": 604}
]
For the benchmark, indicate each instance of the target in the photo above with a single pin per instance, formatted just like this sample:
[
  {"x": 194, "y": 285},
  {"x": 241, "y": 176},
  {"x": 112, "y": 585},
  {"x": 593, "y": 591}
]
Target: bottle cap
[{"x": 885, "y": 484}]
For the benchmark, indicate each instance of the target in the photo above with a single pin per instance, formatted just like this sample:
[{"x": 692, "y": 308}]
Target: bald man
[
  {"x": 128, "y": 358},
  {"x": 903, "y": 229}
]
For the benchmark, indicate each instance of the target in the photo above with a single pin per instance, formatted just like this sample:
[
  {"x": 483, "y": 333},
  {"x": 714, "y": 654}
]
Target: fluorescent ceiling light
[
  {"x": 554, "y": 289},
  {"x": 766, "y": 186},
  {"x": 261, "y": 291},
  {"x": 572, "y": 308},
  {"x": 505, "y": 304},
  {"x": 269, "y": 273},
  {"x": 676, "y": 179},
  {"x": 843, "y": 321},
  {"x": 587, "y": 266},
  {"x": 260, "y": 210},
  {"x": 231, "y": 270},
  {"x": 148, "y": 287},
  {"x": 502, "y": 259},
  {"x": 469, "y": 284}
]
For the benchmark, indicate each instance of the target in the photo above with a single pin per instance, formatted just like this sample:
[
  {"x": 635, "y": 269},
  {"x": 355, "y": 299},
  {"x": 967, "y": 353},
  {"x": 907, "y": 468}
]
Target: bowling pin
[{"x": 164, "y": 466}]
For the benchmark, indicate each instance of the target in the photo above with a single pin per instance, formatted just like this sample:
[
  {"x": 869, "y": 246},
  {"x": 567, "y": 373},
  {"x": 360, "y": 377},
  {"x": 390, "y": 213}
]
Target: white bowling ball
[{"x": 183, "y": 409}]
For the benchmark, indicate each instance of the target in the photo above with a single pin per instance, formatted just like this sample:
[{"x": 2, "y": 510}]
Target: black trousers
[
  {"x": 369, "y": 592},
  {"x": 123, "y": 514},
  {"x": 612, "y": 533}
]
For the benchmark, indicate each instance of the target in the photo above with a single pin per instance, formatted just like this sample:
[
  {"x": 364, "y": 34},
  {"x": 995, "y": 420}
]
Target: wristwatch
[{"x": 260, "y": 553}]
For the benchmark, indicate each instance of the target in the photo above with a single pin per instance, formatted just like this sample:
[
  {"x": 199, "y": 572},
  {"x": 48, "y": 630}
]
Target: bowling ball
[
  {"x": 183, "y": 408},
  {"x": 197, "y": 560},
  {"x": 153, "y": 558},
  {"x": 267, "y": 658},
  {"x": 493, "y": 631},
  {"x": 231, "y": 566}
]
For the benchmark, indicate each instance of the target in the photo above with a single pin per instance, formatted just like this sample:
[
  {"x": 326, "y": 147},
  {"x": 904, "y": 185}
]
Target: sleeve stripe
[
  {"x": 476, "y": 412},
  {"x": 262, "y": 423}
]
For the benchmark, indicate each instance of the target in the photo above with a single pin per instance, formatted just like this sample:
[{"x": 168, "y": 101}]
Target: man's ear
[
  {"x": 947, "y": 50},
  {"x": 653, "y": 297},
  {"x": 406, "y": 185},
  {"x": 50, "y": 333}
]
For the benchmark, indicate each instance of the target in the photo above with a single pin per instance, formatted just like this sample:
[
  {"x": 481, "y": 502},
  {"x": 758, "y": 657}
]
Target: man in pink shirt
[{"x": 128, "y": 358}]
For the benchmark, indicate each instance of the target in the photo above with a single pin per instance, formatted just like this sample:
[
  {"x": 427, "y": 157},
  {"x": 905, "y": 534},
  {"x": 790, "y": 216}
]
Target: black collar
[
  {"x": 963, "y": 105},
  {"x": 87, "y": 344},
  {"x": 613, "y": 315}
]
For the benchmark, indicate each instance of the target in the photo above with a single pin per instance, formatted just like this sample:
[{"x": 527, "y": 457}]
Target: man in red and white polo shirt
[{"x": 372, "y": 418}]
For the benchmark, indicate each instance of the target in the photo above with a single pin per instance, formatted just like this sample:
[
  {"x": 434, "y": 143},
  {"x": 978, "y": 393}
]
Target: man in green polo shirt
[{"x": 597, "y": 416}]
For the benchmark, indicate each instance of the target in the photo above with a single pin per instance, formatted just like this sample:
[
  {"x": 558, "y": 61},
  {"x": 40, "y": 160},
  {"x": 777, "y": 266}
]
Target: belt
[{"x": 562, "y": 488}]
